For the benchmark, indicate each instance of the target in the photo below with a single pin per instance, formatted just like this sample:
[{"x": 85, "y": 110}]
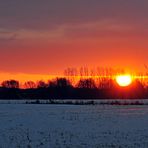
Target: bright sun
[{"x": 124, "y": 80}]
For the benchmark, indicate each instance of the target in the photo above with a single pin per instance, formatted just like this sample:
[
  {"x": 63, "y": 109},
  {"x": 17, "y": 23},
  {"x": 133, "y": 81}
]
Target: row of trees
[
  {"x": 62, "y": 88},
  {"x": 83, "y": 77},
  {"x": 60, "y": 82},
  {"x": 80, "y": 83}
]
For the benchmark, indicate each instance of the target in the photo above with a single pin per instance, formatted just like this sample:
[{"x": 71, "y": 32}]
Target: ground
[{"x": 73, "y": 126}]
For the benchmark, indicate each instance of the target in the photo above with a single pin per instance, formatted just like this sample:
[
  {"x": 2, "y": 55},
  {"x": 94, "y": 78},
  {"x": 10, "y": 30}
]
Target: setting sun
[{"x": 124, "y": 80}]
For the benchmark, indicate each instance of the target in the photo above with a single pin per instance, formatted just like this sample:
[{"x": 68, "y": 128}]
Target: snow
[{"x": 73, "y": 126}]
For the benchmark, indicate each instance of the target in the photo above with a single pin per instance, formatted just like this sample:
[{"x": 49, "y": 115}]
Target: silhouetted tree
[
  {"x": 52, "y": 83},
  {"x": 86, "y": 83},
  {"x": 41, "y": 84},
  {"x": 70, "y": 72},
  {"x": 62, "y": 82},
  {"x": 10, "y": 84},
  {"x": 84, "y": 71},
  {"x": 105, "y": 83},
  {"x": 30, "y": 84}
]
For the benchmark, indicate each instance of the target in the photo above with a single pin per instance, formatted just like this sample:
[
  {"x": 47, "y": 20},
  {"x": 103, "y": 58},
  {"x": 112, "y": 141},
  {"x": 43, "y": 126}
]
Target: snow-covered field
[{"x": 73, "y": 126}]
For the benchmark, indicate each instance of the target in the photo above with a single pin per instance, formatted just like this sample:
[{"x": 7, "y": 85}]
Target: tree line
[
  {"x": 89, "y": 83},
  {"x": 63, "y": 88}
]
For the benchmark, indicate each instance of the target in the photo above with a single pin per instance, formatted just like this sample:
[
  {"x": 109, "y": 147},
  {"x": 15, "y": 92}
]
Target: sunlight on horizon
[
  {"x": 124, "y": 80},
  {"x": 22, "y": 77},
  {"x": 119, "y": 78}
]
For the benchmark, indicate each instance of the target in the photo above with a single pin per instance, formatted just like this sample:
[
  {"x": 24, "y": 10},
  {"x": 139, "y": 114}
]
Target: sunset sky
[{"x": 41, "y": 37}]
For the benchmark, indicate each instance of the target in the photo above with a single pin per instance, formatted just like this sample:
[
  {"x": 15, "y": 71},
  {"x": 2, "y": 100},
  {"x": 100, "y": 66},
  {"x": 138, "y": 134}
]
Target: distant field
[{"x": 71, "y": 126}]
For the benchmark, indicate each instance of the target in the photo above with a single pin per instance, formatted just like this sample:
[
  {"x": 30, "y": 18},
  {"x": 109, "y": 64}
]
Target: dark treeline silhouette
[{"x": 62, "y": 88}]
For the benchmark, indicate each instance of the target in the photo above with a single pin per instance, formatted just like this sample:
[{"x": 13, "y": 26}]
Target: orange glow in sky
[
  {"x": 44, "y": 38},
  {"x": 26, "y": 77}
]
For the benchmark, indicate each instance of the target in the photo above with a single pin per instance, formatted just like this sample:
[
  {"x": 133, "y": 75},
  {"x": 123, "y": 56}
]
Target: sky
[{"x": 44, "y": 37}]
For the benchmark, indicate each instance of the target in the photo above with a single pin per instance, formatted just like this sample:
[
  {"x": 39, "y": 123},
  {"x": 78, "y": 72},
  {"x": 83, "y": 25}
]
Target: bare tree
[
  {"x": 59, "y": 82},
  {"x": 30, "y": 84},
  {"x": 70, "y": 72},
  {"x": 86, "y": 83},
  {"x": 105, "y": 83},
  {"x": 41, "y": 84},
  {"x": 62, "y": 82},
  {"x": 10, "y": 84}
]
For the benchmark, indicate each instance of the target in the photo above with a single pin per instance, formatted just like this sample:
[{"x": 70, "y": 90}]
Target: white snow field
[{"x": 73, "y": 126}]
